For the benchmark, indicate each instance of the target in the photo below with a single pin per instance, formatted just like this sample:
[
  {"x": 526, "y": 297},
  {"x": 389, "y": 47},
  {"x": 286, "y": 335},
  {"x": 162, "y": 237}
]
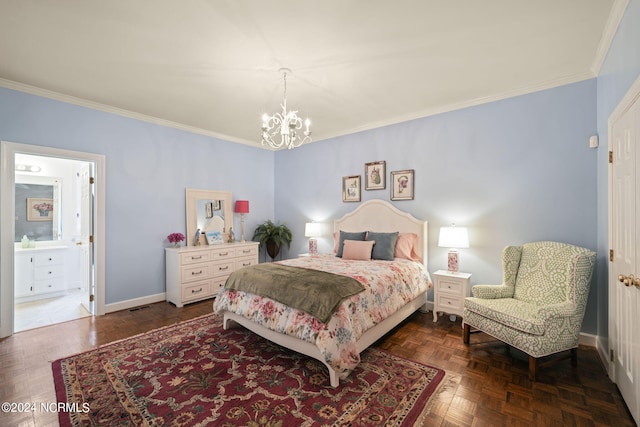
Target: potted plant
[{"x": 272, "y": 236}]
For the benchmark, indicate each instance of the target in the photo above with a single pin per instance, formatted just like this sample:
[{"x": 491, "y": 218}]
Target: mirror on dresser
[{"x": 207, "y": 210}]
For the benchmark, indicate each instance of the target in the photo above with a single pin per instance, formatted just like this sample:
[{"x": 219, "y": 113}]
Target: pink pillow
[
  {"x": 405, "y": 246},
  {"x": 357, "y": 249}
]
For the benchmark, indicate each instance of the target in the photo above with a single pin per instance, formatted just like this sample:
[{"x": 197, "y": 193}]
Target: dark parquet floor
[{"x": 485, "y": 385}]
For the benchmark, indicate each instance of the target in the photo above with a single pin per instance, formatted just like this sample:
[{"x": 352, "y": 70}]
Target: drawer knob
[
  {"x": 194, "y": 291},
  {"x": 195, "y": 273},
  {"x": 196, "y": 257},
  {"x": 223, "y": 254},
  {"x": 223, "y": 268}
]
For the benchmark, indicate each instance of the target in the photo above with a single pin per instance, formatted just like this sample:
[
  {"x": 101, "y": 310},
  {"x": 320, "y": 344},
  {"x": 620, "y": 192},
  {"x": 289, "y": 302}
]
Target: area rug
[{"x": 195, "y": 373}]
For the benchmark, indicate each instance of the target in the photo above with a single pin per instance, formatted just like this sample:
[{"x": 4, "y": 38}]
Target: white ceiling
[{"x": 211, "y": 66}]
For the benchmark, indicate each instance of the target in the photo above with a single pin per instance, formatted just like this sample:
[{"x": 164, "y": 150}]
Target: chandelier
[{"x": 280, "y": 130}]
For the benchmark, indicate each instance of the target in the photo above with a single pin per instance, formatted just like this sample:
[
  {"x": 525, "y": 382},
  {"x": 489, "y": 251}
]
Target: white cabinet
[
  {"x": 39, "y": 271},
  {"x": 195, "y": 273},
  {"x": 449, "y": 292}
]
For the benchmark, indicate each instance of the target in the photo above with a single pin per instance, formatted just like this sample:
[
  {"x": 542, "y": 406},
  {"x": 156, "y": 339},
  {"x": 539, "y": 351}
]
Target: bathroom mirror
[
  {"x": 207, "y": 210},
  {"x": 37, "y": 203}
]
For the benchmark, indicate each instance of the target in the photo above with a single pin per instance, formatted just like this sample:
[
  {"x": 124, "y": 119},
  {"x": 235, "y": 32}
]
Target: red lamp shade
[{"x": 242, "y": 206}]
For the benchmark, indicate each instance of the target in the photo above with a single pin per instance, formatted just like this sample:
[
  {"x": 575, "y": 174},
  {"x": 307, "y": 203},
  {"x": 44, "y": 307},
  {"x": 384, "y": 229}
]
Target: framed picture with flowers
[
  {"x": 402, "y": 185},
  {"x": 39, "y": 209}
]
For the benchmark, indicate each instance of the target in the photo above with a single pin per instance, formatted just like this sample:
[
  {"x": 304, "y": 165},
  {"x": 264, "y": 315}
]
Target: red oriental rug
[{"x": 196, "y": 373}]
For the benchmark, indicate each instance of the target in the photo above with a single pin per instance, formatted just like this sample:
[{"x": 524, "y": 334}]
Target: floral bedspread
[{"x": 388, "y": 286}]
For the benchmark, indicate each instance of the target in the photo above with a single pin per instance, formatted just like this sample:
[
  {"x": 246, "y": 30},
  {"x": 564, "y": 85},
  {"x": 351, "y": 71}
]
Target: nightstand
[{"x": 449, "y": 292}]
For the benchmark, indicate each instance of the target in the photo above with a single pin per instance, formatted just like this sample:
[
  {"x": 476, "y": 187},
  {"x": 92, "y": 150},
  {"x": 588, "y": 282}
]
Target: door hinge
[
  {"x": 91, "y": 180},
  {"x": 611, "y": 255},
  {"x": 91, "y": 239},
  {"x": 610, "y": 156},
  {"x": 613, "y": 359},
  {"x": 91, "y": 298}
]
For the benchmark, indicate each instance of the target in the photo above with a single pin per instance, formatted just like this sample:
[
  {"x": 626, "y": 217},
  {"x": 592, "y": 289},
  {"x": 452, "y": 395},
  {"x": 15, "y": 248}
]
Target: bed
[{"x": 355, "y": 325}]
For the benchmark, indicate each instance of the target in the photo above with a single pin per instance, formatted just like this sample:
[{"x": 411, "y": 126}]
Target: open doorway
[
  {"x": 64, "y": 250},
  {"x": 53, "y": 277}
]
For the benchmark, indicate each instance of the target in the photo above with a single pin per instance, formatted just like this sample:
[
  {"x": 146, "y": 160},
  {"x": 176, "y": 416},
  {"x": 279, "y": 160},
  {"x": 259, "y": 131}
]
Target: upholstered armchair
[{"x": 540, "y": 304}]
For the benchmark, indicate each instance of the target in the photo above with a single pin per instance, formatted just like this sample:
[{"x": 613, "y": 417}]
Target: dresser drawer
[
  {"x": 196, "y": 272},
  {"x": 247, "y": 251},
  {"x": 451, "y": 286},
  {"x": 245, "y": 262},
  {"x": 48, "y": 259},
  {"x": 217, "y": 284},
  {"x": 196, "y": 290},
  {"x": 223, "y": 253},
  {"x": 222, "y": 268},
  {"x": 48, "y": 272},
  {"x": 195, "y": 258}
]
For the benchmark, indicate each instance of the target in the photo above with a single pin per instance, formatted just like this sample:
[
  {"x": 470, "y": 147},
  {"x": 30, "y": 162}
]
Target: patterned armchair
[{"x": 540, "y": 304}]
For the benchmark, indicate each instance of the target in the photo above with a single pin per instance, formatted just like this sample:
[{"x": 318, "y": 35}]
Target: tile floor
[{"x": 45, "y": 312}]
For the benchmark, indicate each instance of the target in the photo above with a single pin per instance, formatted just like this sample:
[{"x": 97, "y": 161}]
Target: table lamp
[
  {"x": 313, "y": 229},
  {"x": 453, "y": 238},
  {"x": 242, "y": 207}
]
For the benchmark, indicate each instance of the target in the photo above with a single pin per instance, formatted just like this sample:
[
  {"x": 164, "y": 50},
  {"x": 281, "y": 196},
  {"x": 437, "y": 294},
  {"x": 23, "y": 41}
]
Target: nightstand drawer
[
  {"x": 197, "y": 272},
  {"x": 448, "y": 302},
  {"x": 450, "y": 286}
]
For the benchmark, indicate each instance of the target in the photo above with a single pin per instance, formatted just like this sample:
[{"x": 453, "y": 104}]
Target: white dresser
[
  {"x": 195, "y": 273},
  {"x": 39, "y": 272}
]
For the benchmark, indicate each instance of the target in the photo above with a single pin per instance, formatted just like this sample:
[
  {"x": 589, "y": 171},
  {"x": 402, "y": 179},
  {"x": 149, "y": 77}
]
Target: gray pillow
[
  {"x": 385, "y": 246},
  {"x": 347, "y": 235}
]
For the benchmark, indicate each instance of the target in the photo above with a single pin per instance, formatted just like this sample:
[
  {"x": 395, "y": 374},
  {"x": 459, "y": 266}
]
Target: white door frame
[{"x": 7, "y": 224}]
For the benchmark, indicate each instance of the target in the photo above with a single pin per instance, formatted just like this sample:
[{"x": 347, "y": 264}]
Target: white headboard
[{"x": 379, "y": 215}]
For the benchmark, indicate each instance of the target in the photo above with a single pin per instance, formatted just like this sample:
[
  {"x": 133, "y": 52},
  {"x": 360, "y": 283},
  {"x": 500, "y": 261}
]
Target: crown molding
[{"x": 615, "y": 17}]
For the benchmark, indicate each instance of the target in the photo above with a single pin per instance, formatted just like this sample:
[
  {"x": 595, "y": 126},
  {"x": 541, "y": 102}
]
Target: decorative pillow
[
  {"x": 358, "y": 249},
  {"x": 385, "y": 246},
  {"x": 405, "y": 246},
  {"x": 347, "y": 235}
]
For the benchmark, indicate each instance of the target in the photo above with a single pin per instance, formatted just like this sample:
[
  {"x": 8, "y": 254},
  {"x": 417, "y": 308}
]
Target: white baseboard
[
  {"x": 588, "y": 339},
  {"x": 136, "y": 302}
]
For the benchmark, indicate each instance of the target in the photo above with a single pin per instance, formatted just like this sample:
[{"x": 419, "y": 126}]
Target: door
[
  {"x": 85, "y": 213},
  {"x": 624, "y": 288}
]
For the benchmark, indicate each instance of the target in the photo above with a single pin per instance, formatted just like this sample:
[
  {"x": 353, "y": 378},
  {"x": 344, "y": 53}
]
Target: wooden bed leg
[
  {"x": 533, "y": 365},
  {"x": 465, "y": 333}
]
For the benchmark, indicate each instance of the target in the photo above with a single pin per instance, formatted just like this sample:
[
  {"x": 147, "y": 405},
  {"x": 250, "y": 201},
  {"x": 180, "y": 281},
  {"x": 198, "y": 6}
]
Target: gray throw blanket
[{"x": 315, "y": 292}]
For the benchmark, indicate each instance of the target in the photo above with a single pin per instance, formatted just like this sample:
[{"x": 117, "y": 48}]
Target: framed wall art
[
  {"x": 374, "y": 175},
  {"x": 39, "y": 209},
  {"x": 351, "y": 188},
  {"x": 402, "y": 185}
]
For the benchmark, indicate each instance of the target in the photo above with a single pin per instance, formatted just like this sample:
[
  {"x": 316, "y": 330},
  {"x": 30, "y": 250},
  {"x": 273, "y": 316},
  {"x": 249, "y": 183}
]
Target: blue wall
[
  {"x": 619, "y": 71},
  {"x": 511, "y": 171},
  {"x": 148, "y": 168}
]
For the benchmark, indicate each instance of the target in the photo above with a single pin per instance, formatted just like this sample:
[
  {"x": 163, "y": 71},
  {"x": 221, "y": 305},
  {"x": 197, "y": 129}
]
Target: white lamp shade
[
  {"x": 453, "y": 237},
  {"x": 313, "y": 229}
]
